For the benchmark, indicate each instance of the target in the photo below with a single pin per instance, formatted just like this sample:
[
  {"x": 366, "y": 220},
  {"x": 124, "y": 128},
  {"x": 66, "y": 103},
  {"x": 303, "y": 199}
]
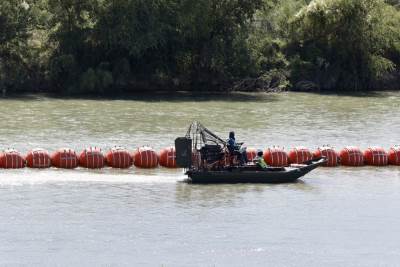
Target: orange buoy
[
  {"x": 119, "y": 157},
  {"x": 145, "y": 157},
  {"x": 299, "y": 155},
  {"x": 276, "y": 157},
  {"x": 331, "y": 155},
  {"x": 351, "y": 156},
  {"x": 38, "y": 158},
  {"x": 65, "y": 158},
  {"x": 251, "y": 154},
  {"x": 394, "y": 155},
  {"x": 376, "y": 156},
  {"x": 92, "y": 158},
  {"x": 11, "y": 159},
  {"x": 167, "y": 157}
]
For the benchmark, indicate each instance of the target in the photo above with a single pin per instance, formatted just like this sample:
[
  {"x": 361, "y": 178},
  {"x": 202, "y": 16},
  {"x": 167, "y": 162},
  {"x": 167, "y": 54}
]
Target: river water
[{"x": 332, "y": 217}]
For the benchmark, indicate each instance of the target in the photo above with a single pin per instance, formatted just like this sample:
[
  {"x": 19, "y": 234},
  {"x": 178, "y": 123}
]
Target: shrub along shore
[{"x": 105, "y": 47}]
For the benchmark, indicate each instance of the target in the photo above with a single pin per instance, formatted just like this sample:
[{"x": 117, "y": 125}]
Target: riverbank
[
  {"x": 347, "y": 45},
  {"x": 155, "y": 96}
]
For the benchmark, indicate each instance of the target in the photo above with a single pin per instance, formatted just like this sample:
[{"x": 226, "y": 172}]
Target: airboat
[{"x": 206, "y": 160}]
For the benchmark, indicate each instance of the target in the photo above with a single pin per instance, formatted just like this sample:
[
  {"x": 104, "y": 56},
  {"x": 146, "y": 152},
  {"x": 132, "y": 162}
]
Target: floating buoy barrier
[
  {"x": 38, "y": 158},
  {"x": 299, "y": 155},
  {"x": 64, "y": 158},
  {"x": 92, "y": 158},
  {"x": 276, "y": 157},
  {"x": 11, "y": 159},
  {"x": 394, "y": 155},
  {"x": 376, "y": 156},
  {"x": 251, "y": 154},
  {"x": 119, "y": 157},
  {"x": 331, "y": 155},
  {"x": 351, "y": 156},
  {"x": 167, "y": 157},
  {"x": 145, "y": 157}
]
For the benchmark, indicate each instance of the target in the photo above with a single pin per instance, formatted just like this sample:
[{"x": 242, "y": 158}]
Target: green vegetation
[{"x": 108, "y": 46}]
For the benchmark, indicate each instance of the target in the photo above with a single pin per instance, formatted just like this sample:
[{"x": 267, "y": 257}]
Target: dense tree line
[{"x": 104, "y": 46}]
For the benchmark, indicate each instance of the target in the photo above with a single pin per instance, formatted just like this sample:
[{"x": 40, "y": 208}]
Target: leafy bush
[{"x": 343, "y": 44}]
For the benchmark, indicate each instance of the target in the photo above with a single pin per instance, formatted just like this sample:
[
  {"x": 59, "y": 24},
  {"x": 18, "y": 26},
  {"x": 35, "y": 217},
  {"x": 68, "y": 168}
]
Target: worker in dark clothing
[
  {"x": 259, "y": 160},
  {"x": 236, "y": 149},
  {"x": 231, "y": 143}
]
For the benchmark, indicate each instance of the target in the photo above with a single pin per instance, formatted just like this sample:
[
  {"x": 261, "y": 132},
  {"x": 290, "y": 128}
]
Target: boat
[
  {"x": 204, "y": 155},
  {"x": 252, "y": 174}
]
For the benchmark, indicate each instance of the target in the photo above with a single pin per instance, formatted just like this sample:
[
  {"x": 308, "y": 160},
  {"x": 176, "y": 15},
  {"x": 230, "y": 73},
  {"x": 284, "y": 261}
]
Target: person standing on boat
[
  {"x": 231, "y": 143},
  {"x": 235, "y": 148},
  {"x": 259, "y": 160}
]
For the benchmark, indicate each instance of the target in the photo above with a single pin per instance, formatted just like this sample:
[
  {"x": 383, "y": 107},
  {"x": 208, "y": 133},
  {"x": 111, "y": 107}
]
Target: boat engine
[{"x": 211, "y": 153}]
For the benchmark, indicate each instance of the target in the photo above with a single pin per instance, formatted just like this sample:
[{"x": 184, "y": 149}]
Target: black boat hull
[{"x": 238, "y": 175}]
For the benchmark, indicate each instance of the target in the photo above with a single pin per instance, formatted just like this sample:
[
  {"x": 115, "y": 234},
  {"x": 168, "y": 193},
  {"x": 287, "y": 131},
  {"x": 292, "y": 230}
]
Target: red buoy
[
  {"x": 167, "y": 157},
  {"x": 38, "y": 158},
  {"x": 329, "y": 153},
  {"x": 251, "y": 154},
  {"x": 11, "y": 159},
  {"x": 119, "y": 157},
  {"x": 276, "y": 157},
  {"x": 92, "y": 158},
  {"x": 376, "y": 156},
  {"x": 145, "y": 157},
  {"x": 299, "y": 155},
  {"x": 351, "y": 156},
  {"x": 394, "y": 155},
  {"x": 64, "y": 158}
]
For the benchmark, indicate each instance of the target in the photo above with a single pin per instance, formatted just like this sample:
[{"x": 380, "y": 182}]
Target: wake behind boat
[{"x": 207, "y": 160}]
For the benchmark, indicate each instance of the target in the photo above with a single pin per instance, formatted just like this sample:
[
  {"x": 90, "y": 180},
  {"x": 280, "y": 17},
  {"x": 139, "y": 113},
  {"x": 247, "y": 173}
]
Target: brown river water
[{"x": 332, "y": 217}]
